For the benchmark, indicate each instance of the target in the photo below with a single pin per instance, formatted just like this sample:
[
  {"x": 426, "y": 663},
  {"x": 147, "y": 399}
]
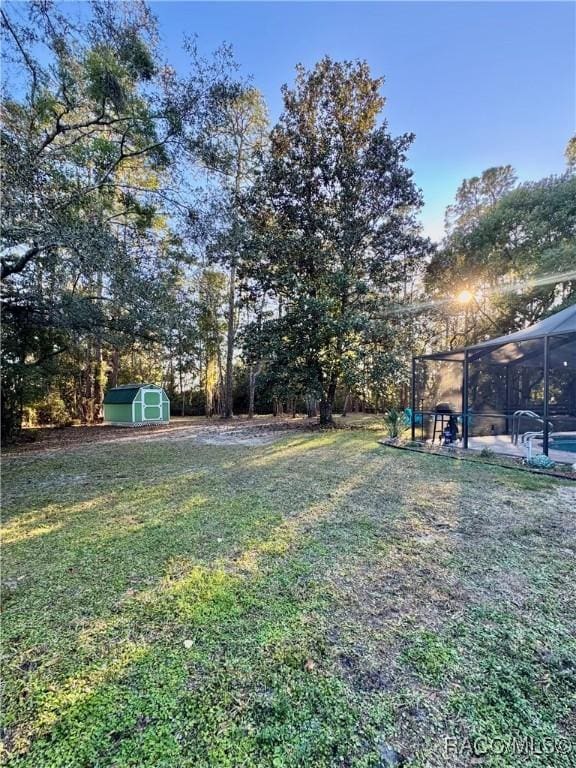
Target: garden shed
[{"x": 134, "y": 405}]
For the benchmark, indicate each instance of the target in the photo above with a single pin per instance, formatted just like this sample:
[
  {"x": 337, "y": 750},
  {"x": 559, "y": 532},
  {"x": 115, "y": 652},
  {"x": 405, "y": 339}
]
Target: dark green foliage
[
  {"x": 476, "y": 196},
  {"x": 52, "y": 410},
  {"x": 519, "y": 252},
  {"x": 394, "y": 421},
  {"x": 90, "y": 267},
  {"x": 333, "y": 230}
]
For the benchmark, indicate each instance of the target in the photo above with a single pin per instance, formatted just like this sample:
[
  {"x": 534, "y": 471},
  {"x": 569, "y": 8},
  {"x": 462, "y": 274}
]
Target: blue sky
[{"x": 480, "y": 84}]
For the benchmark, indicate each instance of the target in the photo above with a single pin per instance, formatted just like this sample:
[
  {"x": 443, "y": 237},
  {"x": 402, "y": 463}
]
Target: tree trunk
[
  {"x": 311, "y": 407},
  {"x": 98, "y": 383},
  {"x": 253, "y": 372},
  {"x": 346, "y": 404},
  {"x": 98, "y": 391},
  {"x": 181, "y": 386},
  {"x": 87, "y": 391},
  {"x": 220, "y": 394},
  {"x": 327, "y": 405},
  {"x": 229, "y": 381},
  {"x": 115, "y": 368},
  {"x": 325, "y": 412},
  {"x": 79, "y": 395},
  {"x": 210, "y": 383},
  {"x": 251, "y": 392}
]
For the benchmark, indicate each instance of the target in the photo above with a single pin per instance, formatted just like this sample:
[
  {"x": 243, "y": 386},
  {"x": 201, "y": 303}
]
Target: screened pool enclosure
[{"x": 516, "y": 393}]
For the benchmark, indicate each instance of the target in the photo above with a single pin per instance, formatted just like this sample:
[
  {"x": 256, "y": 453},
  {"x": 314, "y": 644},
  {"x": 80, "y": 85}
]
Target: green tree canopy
[
  {"x": 520, "y": 256},
  {"x": 333, "y": 223},
  {"x": 475, "y": 196},
  {"x": 90, "y": 130}
]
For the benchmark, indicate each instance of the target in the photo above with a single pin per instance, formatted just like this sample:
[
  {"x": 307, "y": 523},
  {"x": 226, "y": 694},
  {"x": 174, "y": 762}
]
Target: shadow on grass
[
  {"x": 253, "y": 559},
  {"x": 247, "y": 620}
]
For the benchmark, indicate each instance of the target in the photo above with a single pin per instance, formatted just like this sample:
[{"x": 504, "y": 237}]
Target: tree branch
[
  {"x": 13, "y": 267},
  {"x": 29, "y": 62}
]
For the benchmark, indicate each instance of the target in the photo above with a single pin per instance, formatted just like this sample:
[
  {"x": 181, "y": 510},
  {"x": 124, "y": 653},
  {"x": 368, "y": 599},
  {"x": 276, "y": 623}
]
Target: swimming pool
[{"x": 564, "y": 444}]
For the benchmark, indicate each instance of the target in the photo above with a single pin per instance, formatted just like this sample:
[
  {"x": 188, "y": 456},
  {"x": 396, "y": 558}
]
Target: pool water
[{"x": 564, "y": 444}]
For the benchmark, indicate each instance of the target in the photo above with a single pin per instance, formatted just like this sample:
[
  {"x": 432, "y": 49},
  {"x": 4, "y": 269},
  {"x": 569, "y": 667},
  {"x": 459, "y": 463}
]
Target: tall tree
[
  {"x": 475, "y": 196},
  {"x": 233, "y": 140},
  {"x": 74, "y": 128},
  {"x": 211, "y": 329},
  {"x": 449, "y": 267},
  {"x": 519, "y": 257},
  {"x": 333, "y": 222},
  {"x": 88, "y": 133},
  {"x": 82, "y": 119}
]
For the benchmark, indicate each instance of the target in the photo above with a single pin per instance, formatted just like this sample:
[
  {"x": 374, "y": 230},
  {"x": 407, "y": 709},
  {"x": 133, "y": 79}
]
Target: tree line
[{"x": 156, "y": 227}]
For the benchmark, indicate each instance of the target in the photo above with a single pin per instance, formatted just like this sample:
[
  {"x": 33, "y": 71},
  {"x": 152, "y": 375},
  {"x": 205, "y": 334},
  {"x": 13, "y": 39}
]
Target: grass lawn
[{"x": 318, "y": 601}]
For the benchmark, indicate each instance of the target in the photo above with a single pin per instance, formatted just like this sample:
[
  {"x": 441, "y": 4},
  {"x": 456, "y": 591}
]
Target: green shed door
[{"x": 151, "y": 405}]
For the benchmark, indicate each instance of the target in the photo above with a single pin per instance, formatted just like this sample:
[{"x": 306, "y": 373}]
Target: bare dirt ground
[{"x": 240, "y": 431}]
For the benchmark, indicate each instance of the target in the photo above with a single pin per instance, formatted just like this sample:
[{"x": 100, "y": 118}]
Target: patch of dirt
[
  {"x": 239, "y": 437},
  {"x": 240, "y": 431}
]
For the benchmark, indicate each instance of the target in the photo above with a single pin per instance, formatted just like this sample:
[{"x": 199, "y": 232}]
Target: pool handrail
[{"x": 517, "y": 415}]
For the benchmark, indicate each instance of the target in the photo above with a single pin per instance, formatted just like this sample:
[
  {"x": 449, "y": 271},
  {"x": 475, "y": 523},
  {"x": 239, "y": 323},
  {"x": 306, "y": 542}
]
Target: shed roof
[{"x": 125, "y": 393}]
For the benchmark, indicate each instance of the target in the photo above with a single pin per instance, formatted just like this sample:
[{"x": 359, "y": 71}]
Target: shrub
[
  {"x": 541, "y": 461},
  {"x": 393, "y": 421},
  {"x": 486, "y": 453},
  {"x": 29, "y": 417},
  {"x": 52, "y": 410}
]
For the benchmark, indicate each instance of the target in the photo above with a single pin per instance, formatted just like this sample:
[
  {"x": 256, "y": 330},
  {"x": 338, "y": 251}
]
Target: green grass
[
  {"x": 314, "y": 602},
  {"x": 430, "y": 656}
]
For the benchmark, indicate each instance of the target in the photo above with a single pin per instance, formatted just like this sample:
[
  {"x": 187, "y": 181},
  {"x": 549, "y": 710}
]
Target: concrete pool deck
[{"x": 503, "y": 444}]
